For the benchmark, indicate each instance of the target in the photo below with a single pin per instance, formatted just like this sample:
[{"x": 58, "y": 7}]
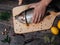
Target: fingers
[
  {"x": 35, "y": 16},
  {"x": 33, "y": 5},
  {"x": 38, "y": 16},
  {"x": 41, "y": 16},
  {"x": 43, "y": 13}
]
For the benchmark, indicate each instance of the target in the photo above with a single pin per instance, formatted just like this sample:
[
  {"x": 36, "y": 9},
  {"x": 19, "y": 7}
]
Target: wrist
[{"x": 45, "y": 2}]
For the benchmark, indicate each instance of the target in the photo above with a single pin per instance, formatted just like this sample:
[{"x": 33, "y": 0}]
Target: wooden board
[{"x": 20, "y": 28}]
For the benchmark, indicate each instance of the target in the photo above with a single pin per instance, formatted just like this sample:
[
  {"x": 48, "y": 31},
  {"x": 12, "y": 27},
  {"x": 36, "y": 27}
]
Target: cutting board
[{"x": 20, "y": 28}]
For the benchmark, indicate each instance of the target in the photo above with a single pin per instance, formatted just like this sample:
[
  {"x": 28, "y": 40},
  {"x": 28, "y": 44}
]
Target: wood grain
[{"x": 20, "y": 28}]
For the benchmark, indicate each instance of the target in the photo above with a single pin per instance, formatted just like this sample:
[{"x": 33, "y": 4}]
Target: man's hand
[{"x": 39, "y": 10}]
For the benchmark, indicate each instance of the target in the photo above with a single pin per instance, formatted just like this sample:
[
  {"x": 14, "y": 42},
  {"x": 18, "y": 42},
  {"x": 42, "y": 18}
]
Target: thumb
[{"x": 32, "y": 6}]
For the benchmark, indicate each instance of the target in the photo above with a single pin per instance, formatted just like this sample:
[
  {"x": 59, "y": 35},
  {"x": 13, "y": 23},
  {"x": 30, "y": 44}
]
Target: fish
[{"x": 25, "y": 16}]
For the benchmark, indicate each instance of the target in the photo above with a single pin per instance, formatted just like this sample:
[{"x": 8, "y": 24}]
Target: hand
[{"x": 39, "y": 11}]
